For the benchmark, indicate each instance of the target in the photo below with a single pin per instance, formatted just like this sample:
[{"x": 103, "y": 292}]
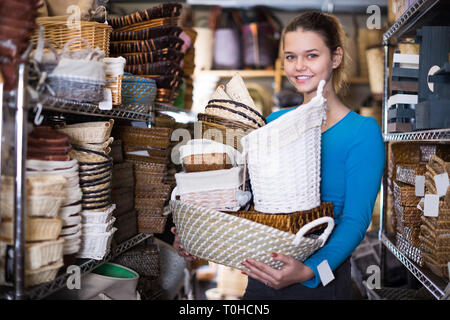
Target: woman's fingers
[{"x": 260, "y": 270}]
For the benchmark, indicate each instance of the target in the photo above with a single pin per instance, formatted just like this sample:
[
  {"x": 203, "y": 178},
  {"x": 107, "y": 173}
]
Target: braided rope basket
[
  {"x": 229, "y": 240},
  {"x": 284, "y": 159}
]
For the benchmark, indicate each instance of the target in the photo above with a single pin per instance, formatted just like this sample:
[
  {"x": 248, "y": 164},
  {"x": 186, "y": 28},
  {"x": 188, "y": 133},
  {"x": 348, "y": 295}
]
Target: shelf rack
[
  {"x": 421, "y": 13},
  {"x": 73, "y": 107},
  {"x": 86, "y": 265}
]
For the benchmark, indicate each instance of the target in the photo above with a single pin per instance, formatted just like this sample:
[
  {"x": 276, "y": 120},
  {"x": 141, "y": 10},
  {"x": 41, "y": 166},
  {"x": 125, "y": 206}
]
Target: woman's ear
[{"x": 338, "y": 54}]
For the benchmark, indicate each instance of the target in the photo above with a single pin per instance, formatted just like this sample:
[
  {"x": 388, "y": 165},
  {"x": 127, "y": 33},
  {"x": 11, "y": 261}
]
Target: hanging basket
[{"x": 229, "y": 240}]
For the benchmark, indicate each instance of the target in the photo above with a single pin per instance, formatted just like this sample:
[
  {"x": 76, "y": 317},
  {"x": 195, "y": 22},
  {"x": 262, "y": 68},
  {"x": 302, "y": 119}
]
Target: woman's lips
[{"x": 302, "y": 79}]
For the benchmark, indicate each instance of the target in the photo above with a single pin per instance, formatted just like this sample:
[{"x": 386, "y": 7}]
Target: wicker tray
[
  {"x": 291, "y": 222},
  {"x": 148, "y": 223}
]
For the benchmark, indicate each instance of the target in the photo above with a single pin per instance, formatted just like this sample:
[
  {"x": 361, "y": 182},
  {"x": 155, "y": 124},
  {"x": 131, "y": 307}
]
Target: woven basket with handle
[{"x": 229, "y": 240}]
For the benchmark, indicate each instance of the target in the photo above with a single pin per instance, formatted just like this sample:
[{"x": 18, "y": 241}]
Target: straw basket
[
  {"x": 57, "y": 30},
  {"x": 37, "y": 229},
  {"x": 43, "y": 253},
  {"x": 232, "y": 114},
  {"x": 251, "y": 113},
  {"x": 161, "y": 191},
  {"x": 225, "y": 239},
  {"x": 284, "y": 159},
  {"x": 43, "y": 274},
  {"x": 88, "y": 132},
  {"x": 148, "y": 137}
]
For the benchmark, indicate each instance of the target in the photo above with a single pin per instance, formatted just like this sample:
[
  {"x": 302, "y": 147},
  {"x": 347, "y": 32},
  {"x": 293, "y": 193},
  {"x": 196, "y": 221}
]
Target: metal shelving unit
[
  {"x": 86, "y": 265},
  {"x": 421, "y": 13},
  {"x": 67, "y": 106}
]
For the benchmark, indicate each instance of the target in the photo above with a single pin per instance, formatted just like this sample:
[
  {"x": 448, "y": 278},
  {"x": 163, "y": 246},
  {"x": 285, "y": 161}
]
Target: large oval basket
[{"x": 229, "y": 240}]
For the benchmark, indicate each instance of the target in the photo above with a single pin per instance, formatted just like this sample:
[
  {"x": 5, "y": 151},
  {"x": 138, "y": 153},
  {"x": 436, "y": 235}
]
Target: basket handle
[
  {"x": 323, "y": 237},
  {"x": 68, "y": 43}
]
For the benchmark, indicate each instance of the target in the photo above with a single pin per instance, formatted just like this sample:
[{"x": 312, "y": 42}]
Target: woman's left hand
[{"x": 293, "y": 271}]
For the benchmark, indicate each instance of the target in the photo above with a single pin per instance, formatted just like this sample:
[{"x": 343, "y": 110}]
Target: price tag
[
  {"x": 441, "y": 181},
  {"x": 325, "y": 273},
  {"x": 431, "y": 205},
  {"x": 420, "y": 186}
]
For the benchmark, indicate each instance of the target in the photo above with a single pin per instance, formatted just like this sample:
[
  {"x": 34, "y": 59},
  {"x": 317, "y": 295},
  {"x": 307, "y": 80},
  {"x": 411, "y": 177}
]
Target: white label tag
[
  {"x": 325, "y": 273},
  {"x": 107, "y": 103},
  {"x": 420, "y": 186},
  {"x": 431, "y": 206},
  {"x": 441, "y": 181}
]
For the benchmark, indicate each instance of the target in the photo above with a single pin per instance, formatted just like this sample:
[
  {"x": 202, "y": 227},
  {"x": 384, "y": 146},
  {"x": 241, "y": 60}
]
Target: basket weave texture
[
  {"x": 226, "y": 239},
  {"x": 143, "y": 259},
  {"x": 138, "y": 91}
]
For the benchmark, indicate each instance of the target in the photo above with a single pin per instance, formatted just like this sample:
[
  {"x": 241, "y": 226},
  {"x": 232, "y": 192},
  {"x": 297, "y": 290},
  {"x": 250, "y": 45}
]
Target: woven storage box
[
  {"x": 159, "y": 191},
  {"x": 225, "y": 239},
  {"x": 405, "y": 195},
  {"x": 284, "y": 159},
  {"x": 126, "y": 225},
  {"x": 138, "y": 91},
  {"x": 151, "y": 223},
  {"x": 148, "y": 167},
  {"x": 291, "y": 222},
  {"x": 142, "y": 259},
  {"x": 57, "y": 31},
  {"x": 149, "y": 33},
  {"x": 37, "y": 229},
  {"x": 150, "y": 159},
  {"x": 408, "y": 215},
  {"x": 143, "y": 179},
  {"x": 89, "y": 132},
  {"x": 407, "y": 173},
  {"x": 148, "y": 137},
  {"x": 149, "y": 203}
]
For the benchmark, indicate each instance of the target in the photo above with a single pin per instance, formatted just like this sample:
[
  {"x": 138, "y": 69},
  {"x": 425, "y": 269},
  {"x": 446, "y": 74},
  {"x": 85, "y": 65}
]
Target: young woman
[{"x": 352, "y": 163}]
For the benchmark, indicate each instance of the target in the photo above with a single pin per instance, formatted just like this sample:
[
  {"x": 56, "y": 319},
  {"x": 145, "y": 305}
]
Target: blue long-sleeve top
[{"x": 352, "y": 164}]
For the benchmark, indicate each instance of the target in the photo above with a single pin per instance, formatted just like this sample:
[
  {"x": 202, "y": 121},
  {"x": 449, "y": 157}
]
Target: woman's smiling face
[{"x": 307, "y": 60}]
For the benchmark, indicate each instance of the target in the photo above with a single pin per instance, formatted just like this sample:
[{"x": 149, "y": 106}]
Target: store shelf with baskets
[
  {"x": 438, "y": 135},
  {"x": 86, "y": 265},
  {"x": 73, "y": 107},
  {"x": 421, "y": 13},
  {"x": 430, "y": 281}
]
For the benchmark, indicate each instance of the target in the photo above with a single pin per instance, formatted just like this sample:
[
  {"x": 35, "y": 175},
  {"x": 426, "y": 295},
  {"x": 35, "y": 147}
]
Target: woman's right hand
[{"x": 180, "y": 249}]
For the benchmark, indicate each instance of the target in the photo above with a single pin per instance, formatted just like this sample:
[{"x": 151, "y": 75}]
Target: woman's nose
[{"x": 300, "y": 65}]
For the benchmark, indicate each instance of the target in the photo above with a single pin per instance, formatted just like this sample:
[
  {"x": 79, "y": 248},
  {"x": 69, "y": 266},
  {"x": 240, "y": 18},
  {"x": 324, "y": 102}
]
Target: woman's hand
[
  {"x": 293, "y": 271},
  {"x": 179, "y": 247}
]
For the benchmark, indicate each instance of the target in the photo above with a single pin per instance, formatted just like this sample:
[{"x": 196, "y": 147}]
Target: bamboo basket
[
  {"x": 149, "y": 159},
  {"x": 148, "y": 167},
  {"x": 148, "y": 137},
  {"x": 114, "y": 83},
  {"x": 138, "y": 93},
  {"x": 57, "y": 30},
  {"x": 151, "y": 223},
  {"x": 291, "y": 222},
  {"x": 143, "y": 58}
]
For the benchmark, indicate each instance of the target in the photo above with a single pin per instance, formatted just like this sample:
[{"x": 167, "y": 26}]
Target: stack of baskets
[
  {"x": 435, "y": 231},
  {"x": 95, "y": 172},
  {"x": 189, "y": 66},
  {"x": 46, "y": 140},
  {"x": 229, "y": 236},
  {"x": 44, "y": 247},
  {"x": 149, "y": 42},
  {"x": 123, "y": 195},
  {"x": 147, "y": 150}
]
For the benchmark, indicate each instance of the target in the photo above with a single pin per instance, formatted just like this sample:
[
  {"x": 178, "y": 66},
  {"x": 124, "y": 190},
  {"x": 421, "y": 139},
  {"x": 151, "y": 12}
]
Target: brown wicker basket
[
  {"x": 148, "y": 167},
  {"x": 151, "y": 223},
  {"x": 148, "y": 137},
  {"x": 149, "y": 24},
  {"x": 149, "y": 203},
  {"x": 166, "y": 95},
  {"x": 291, "y": 222},
  {"x": 407, "y": 173},
  {"x": 143, "y": 58},
  {"x": 150, "y": 33},
  {"x": 440, "y": 238},
  {"x": 206, "y": 162},
  {"x": 143, "y": 179},
  {"x": 159, "y": 191},
  {"x": 441, "y": 270},
  {"x": 148, "y": 45},
  {"x": 410, "y": 216},
  {"x": 95, "y": 33},
  {"x": 150, "y": 159},
  {"x": 115, "y": 85}
]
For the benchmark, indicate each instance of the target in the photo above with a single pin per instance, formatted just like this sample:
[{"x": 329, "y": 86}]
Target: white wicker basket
[
  {"x": 88, "y": 132},
  {"x": 96, "y": 245},
  {"x": 37, "y": 206},
  {"x": 98, "y": 227},
  {"x": 70, "y": 230},
  {"x": 284, "y": 159},
  {"x": 89, "y": 217}
]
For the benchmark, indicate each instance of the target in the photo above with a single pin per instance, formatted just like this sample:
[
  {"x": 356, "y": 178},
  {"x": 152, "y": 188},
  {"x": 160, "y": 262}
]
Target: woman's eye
[
  {"x": 290, "y": 57},
  {"x": 312, "y": 56}
]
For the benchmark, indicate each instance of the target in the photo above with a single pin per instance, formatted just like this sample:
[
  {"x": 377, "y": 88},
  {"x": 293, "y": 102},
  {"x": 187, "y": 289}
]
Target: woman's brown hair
[{"x": 332, "y": 32}]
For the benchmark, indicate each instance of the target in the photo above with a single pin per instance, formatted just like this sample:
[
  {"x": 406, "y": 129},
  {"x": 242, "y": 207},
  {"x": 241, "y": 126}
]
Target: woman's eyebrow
[{"x": 306, "y": 51}]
